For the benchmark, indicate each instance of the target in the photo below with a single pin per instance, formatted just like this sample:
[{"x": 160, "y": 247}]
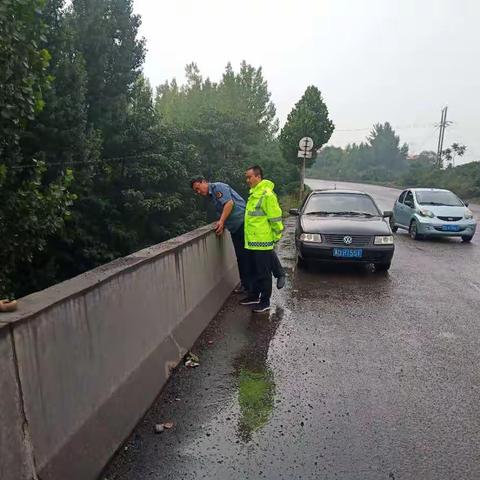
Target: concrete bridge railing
[{"x": 81, "y": 362}]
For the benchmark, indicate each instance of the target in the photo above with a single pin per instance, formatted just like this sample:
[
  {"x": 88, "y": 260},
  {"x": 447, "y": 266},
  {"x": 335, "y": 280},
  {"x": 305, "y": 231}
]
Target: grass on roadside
[{"x": 292, "y": 200}]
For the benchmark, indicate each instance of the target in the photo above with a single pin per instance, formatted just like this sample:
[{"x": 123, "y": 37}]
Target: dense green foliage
[
  {"x": 93, "y": 164},
  {"x": 464, "y": 180},
  {"x": 381, "y": 159},
  {"x": 232, "y": 123},
  {"x": 31, "y": 210},
  {"x": 309, "y": 118}
]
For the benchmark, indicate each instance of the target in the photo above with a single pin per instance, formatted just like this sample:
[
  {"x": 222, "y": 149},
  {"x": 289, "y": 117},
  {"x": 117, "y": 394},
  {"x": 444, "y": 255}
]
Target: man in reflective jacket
[
  {"x": 230, "y": 207},
  {"x": 263, "y": 229}
]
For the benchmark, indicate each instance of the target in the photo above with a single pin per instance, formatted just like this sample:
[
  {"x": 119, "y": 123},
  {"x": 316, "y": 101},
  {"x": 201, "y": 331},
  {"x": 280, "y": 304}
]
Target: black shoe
[
  {"x": 250, "y": 300},
  {"x": 241, "y": 289},
  {"x": 281, "y": 282},
  {"x": 262, "y": 307}
]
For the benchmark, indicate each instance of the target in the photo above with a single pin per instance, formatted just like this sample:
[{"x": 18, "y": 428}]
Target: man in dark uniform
[{"x": 230, "y": 206}]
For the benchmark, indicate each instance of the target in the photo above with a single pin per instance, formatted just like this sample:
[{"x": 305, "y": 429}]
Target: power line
[
  {"x": 470, "y": 152},
  {"x": 88, "y": 162},
  {"x": 395, "y": 127},
  {"x": 426, "y": 139}
]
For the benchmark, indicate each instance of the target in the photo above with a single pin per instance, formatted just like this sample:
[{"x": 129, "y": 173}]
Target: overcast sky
[{"x": 374, "y": 60}]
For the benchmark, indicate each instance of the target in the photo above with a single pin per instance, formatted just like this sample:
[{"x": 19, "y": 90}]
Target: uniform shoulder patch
[{"x": 219, "y": 194}]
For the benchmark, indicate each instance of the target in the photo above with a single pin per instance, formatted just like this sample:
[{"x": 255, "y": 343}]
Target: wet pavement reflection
[{"x": 256, "y": 383}]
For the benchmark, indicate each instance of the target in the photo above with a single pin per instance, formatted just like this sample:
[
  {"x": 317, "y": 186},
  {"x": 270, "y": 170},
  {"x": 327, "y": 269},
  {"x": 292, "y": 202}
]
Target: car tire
[
  {"x": 413, "y": 231},
  {"x": 466, "y": 239},
  {"x": 392, "y": 225},
  {"x": 301, "y": 262},
  {"x": 383, "y": 267}
]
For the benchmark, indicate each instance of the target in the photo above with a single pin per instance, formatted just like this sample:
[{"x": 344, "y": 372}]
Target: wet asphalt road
[{"x": 354, "y": 376}]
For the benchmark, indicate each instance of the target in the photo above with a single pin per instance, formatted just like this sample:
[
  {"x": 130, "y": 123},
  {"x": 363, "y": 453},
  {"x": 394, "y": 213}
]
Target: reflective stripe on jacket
[{"x": 263, "y": 218}]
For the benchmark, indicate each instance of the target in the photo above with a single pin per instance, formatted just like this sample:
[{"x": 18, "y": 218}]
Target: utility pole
[{"x": 441, "y": 135}]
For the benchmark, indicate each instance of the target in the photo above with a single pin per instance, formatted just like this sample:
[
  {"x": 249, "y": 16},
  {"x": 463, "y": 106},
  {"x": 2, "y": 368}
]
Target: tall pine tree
[
  {"x": 107, "y": 37},
  {"x": 60, "y": 134},
  {"x": 309, "y": 118}
]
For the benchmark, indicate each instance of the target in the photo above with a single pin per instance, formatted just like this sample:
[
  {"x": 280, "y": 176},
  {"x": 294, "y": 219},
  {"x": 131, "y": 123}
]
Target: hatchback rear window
[
  {"x": 341, "y": 203},
  {"x": 438, "y": 198}
]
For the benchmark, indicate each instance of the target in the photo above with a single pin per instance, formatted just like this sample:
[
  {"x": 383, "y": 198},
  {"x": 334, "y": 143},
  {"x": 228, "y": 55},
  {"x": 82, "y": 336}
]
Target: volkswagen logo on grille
[{"x": 347, "y": 240}]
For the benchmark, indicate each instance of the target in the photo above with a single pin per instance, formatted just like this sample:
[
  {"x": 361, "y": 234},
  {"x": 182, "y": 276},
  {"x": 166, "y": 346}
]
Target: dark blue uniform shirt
[{"x": 221, "y": 193}]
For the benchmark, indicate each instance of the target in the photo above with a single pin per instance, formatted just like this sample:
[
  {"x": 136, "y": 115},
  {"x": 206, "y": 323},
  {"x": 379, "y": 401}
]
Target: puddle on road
[{"x": 255, "y": 378}]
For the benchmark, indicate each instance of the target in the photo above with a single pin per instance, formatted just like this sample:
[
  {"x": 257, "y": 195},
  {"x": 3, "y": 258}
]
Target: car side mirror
[
  {"x": 387, "y": 214},
  {"x": 466, "y": 204},
  {"x": 294, "y": 211}
]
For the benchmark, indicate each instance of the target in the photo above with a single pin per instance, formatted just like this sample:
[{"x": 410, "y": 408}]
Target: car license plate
[
  {"x": 450, "y": 228},
  {"x": 348, "y": 252}
]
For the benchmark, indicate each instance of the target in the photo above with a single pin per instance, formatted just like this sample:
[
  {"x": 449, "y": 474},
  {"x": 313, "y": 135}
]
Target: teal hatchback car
[{"x": 429, "y": 212}]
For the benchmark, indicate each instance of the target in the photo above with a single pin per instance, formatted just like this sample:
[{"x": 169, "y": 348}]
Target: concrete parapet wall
[
  {"x": 15, "y": 450},
  {"x": 88, "y": 357}
]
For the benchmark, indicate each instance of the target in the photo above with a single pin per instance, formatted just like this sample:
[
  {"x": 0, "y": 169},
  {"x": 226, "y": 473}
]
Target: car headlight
[
  {"x": 468, "y": 215},
  {"x": 386, "y": 240},
  {"x": 311, "y": 237},
  {"x": 426, "y": 213}
]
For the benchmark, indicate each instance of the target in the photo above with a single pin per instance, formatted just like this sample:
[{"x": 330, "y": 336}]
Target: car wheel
[
  {"x": 413, "y": 231},
  {"x": 466, "y": 239},
  {"x": 393, "y": 226},
  {"x": 301, "y": 262},
  {"x": 383, "y": 267}
]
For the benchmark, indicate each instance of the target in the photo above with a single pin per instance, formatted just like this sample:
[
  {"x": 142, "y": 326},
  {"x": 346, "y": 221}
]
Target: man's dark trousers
[
  {"x": 260, "y": 265},
  {"x": 238, "y": 239},
  {"x": 277, "y": 268}
]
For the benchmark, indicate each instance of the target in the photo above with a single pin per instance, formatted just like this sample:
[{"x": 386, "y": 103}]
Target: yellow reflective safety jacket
[{"x": 263, "y": 218}]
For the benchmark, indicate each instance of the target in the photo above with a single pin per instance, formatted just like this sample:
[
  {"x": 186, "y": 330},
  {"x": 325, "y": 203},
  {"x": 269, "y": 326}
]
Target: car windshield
[
  {"x": 438, "y": 198},
  {"x": 353, "y": 204}
]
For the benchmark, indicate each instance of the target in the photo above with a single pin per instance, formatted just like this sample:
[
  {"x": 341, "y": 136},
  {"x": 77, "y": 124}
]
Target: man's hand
[
  {"x": 227, "y": 210},
  {"x": 219, "y": 227}
]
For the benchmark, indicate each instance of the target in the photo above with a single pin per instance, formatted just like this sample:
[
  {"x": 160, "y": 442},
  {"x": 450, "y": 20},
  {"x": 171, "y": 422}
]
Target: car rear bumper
[{"x": 324, "y": 253}]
